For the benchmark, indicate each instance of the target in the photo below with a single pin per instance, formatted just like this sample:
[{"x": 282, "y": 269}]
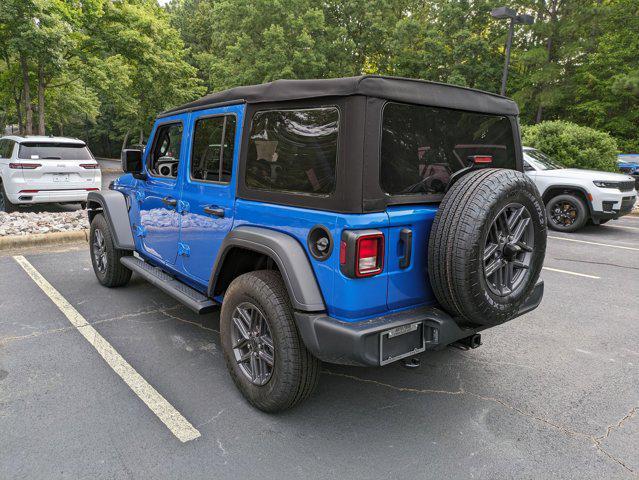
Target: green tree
[{"x": 573, "y": 145}]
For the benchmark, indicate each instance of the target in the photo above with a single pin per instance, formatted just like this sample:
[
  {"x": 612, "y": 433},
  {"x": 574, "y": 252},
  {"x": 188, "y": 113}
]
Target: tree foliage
[
  {"x": 103, "y": 69},
  {"x": 573, "y": 145}
]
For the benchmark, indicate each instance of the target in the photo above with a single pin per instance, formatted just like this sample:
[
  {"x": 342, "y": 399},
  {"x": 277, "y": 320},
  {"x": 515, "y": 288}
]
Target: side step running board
[{"x": 188, "y": 296}]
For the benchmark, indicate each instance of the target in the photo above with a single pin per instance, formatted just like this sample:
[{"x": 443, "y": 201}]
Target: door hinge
[
  {"x": 182, "y": 207},
  {"x": 184, "y": 249},
  {"x": 140, "y": 231}
]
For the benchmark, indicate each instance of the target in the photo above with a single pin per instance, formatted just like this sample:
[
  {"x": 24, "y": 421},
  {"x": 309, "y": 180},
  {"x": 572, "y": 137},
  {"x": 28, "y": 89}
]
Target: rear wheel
[
  {"x": 5, "y": 203},
  {"x": 105, "y": 257},
  {"x": 566, "y": 213},
  {"x": 487, "y": 246},
  {"x": 264, "y": 353}
]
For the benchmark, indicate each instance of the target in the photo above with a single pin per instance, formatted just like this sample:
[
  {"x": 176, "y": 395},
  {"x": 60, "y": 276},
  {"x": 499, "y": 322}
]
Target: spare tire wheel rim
[
  {"x": 564, "y": 213},
  {"x": 252, "y": 343},
  {"x": 508, "y": 249}
]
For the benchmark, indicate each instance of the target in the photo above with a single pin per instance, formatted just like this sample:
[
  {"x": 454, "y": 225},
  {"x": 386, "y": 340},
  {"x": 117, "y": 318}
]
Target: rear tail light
[
  {"x": 28, "y": 191},
  {"x": 481, "y": 159},
  {"x": 369, "y": 255},
  {"x": 361, "y": 253},
  {"x": 24, "y": 166},
  {"x": 89, "y": 166},
  {"x": 92, "y": 189}
]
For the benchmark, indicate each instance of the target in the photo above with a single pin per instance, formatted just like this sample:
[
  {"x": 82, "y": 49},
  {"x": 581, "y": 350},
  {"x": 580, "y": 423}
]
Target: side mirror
[{"x": 131, "y": 160}]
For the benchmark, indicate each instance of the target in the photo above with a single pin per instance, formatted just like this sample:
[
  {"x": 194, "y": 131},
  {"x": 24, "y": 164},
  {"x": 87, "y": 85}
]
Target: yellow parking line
[
  {"x": 593, "y": 243},
  {"x": 174, "y": 421},
  {"x": 571, "y": 273}
]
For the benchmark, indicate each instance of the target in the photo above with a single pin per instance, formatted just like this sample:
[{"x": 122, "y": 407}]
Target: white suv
[
  {"x": 574, "y": 196},
  {"x": 37, "y": 169}
]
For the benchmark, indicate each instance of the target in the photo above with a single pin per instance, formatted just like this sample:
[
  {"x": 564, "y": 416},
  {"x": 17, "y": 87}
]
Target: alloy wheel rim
[
  {"x": 252, "y": 343},
  {"x": 99, "y": 251},
  {"x": 564, "y": 213},
  {"x": 508, "y": 249}
]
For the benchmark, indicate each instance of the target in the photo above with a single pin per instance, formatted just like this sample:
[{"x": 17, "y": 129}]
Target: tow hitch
[{"x": 472, "y": 341}]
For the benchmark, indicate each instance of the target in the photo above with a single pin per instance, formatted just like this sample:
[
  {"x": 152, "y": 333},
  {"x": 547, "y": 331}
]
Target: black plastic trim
[
  {"x": 358, "y": 343},
  {"x": 289, "y": 256},
  {"x": 116, "y": 212}
]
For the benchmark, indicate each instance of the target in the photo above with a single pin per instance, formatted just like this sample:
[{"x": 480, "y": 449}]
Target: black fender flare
[
  {"x": 289, "y": 256},
  {"x": 115, "y": 209}
]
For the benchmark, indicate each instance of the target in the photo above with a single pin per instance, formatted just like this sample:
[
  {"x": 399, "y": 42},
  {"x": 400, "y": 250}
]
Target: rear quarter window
[
  {"x": 293, "y": 151},
  {"x": 54, "y": 151},
  {"x": 423, "y": 146}
]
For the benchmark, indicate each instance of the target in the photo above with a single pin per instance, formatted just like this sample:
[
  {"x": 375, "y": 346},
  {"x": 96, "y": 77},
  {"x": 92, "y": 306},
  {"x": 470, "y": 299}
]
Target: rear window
[
  {"x": 293, "y": 150},
  {"x": 54, "y": 151},
  {"x": 423, "y": 146}
]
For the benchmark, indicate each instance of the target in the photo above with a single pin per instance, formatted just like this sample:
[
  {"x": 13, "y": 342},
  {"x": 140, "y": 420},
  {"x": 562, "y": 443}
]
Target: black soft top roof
[{"x": 405, "y": 90}]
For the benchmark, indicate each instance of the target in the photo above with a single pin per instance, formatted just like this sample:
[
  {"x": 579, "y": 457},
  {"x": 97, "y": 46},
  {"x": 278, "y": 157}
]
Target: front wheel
[
  {"x": 566, "y": 213},
  {"x": 105, "y": 257},
  {"x": 264, "y": 353}
]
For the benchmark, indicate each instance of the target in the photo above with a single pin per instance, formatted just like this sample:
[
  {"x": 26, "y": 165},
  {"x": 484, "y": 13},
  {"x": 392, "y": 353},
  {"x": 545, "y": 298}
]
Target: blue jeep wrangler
[{"x": 354, "y": 221}]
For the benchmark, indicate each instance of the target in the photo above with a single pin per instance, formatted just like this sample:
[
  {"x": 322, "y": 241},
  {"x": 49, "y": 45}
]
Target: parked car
[
  {"x": 629, "y": 163},
  {"x": 355, "y": 221},
  {"x": 38, "y": 169},
  {"x": 574, "y": 196}
]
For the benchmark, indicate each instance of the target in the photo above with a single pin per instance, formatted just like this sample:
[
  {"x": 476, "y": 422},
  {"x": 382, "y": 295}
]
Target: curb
[
  {"x": 38, "y": 239},
  {"x": 111, "y": 170}
]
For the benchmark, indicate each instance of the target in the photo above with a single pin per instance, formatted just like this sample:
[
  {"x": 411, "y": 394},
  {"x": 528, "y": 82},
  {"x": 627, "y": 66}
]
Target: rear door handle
[
  {"x": 406, "y": 237},
  {"x": 216, "y": 211},
  {"x": 171, "y": 202}
]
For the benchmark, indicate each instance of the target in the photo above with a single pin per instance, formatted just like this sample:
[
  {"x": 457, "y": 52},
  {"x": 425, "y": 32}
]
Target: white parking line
[
  {"x": 571, "y": 273},
  {"x": 621, "y": 226},
  {"x": 174, "y": 421},
  {"x": 594, "y": 243}
]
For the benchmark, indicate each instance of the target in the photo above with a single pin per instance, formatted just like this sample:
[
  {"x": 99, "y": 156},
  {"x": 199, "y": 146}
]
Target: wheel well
[
  {"x": 554, "y": 191},
  {"x": 239, "y": 261}
]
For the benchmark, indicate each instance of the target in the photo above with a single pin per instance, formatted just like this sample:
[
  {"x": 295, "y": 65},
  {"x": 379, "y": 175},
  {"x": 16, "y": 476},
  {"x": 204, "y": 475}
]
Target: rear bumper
[
  {"x": 48, "y": 196},
  {"x": 426, "y": 328}
]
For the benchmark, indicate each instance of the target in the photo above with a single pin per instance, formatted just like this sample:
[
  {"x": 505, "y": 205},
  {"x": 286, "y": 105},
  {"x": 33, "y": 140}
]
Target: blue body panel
[{"x": 185, "y": 241}]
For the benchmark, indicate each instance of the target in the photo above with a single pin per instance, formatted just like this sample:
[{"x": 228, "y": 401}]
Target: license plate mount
[{"x": 400, "y": 342}]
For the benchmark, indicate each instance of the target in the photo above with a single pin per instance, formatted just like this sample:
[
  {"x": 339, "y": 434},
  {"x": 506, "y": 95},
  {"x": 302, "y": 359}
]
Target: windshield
[
  {"x": 423, "y": 146},
  {"x": 628, "y": 159},
  {"x": 54, "y": 151},
  {"x": 541, "y": 161}
]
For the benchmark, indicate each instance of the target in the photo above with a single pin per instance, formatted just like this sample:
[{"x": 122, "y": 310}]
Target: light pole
[{"x": 503, "y": 13}]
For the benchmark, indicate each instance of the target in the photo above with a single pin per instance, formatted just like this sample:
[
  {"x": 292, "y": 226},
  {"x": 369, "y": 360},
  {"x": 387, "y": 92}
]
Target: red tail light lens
[
  {"x": 24, "y": 166},
  {"x": 89, "y": 166},
  {"x": 369, "y": 255},
  {"x": 481, "y": 159}
]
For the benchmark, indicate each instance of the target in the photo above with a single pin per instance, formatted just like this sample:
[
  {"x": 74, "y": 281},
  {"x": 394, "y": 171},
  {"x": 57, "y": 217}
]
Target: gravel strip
[{"x": 26, "y": 223}]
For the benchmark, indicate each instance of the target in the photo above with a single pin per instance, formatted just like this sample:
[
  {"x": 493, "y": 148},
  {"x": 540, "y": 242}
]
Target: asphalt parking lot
[{"x": 554, "y": 393}]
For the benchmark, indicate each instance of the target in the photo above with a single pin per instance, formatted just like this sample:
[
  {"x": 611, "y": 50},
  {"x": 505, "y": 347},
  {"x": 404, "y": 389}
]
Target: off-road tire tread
[
  {"x": 117, "y": 275},
  {"x": 300, "y": 375},
  {"x": 453, "y": 245}
]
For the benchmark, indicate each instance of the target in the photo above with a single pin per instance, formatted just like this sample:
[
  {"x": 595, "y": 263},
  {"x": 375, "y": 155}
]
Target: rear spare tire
[{"x": 487, "y": 246}]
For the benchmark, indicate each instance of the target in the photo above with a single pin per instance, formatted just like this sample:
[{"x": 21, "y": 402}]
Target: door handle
[
  {"x": 171, "y": 202},
  {"x": 216, "y": 211},
  {"x": 406, "y": 237}
]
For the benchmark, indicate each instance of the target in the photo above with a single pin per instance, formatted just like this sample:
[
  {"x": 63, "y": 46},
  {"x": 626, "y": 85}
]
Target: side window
[
  {"x": 5, "y": 150},
  {"x": 213, "y": 146},
  {"x": 164, "y": 158},
  {"x": 293, "y": 150},
  {"x": 528, "y": 167}
]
